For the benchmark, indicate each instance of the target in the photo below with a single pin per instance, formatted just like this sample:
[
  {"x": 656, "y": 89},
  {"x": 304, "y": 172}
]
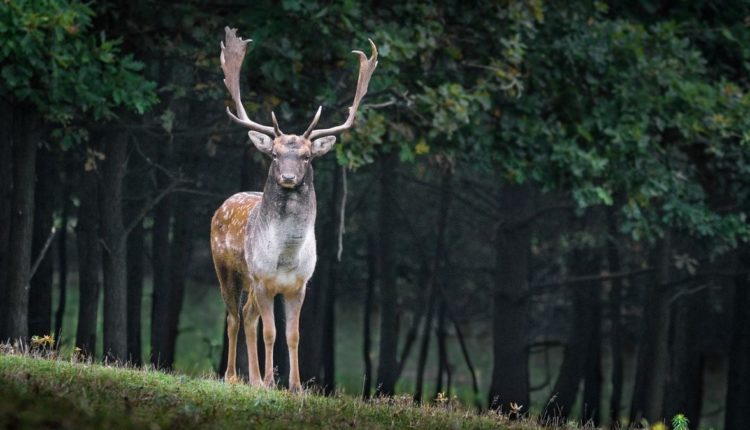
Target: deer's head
[{"x": 291, "y": 153}]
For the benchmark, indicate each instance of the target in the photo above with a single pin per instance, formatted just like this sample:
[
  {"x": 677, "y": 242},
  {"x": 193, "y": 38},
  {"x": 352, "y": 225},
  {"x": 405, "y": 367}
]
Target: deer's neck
[
  {"x": 286, "y": 221},
  {"x": 284, "y": 204}
]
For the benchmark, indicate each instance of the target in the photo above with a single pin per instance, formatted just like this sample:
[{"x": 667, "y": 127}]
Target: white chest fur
[{"x": 282, "y": 252}]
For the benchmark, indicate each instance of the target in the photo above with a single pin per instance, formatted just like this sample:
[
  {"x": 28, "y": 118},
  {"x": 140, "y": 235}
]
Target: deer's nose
[{"x": 287, "y": 177}]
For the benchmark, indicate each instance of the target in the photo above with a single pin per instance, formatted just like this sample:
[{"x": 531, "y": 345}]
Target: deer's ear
[
  {"x": 322, "y": 145},
  {"x": 261, "y": 141}
]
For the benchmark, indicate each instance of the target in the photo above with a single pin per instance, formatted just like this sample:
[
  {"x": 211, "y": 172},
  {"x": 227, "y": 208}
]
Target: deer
[{"x": 263, "y": 243}]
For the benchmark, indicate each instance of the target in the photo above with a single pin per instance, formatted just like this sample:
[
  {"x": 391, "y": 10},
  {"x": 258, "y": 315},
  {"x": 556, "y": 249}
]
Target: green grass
[{"x": 56, "y": 393}]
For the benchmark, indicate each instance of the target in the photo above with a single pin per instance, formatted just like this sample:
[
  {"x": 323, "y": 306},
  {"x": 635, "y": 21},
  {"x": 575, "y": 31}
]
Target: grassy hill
[{"x": 54, "y": 393}]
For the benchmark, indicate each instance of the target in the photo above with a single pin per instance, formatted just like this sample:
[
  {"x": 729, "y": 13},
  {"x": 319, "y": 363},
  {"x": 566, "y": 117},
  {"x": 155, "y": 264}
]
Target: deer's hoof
[{"x": 295, "y": 388}]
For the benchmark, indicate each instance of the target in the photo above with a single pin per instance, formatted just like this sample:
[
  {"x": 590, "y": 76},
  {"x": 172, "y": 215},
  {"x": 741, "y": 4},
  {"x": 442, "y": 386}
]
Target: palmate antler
[
  {"x": 232, "y": 54},
  {"x": 366, "y": 68}
]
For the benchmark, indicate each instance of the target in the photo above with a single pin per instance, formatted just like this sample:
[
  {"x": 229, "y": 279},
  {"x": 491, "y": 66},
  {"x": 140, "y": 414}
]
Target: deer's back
[{"x": 229, "y": 229}]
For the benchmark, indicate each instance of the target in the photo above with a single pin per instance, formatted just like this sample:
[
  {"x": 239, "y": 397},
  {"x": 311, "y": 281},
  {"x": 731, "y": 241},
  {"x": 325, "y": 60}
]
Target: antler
[
  {"x": 232, "y": 55},
  {"x": 366, "y": 68}
]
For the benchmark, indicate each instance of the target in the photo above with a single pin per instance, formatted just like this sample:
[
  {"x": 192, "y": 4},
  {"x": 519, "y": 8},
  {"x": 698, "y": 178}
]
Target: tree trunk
[
  {"x": 510, "y": 332},
  {"x": 62, "y": 250},
  {"x": 26, "y": 128},
  {"x": 89, "y": 262},
  {"x": 367, "y": 315},
  {"x": 6, "y": 190},
  {"x": 115, "y": 248},
  {"x": 443, "y": 363},
  {"x": 424, "y": 348},
  {"x": 317, "y": 321},
  {"x": 137, "y": 188},
  {"x": 592, "y": 374},
  {"x": 685, "y": 377},
  {"x": 135, "y": 256},
  {"x": 738, "y": 390},
  {"x": 652, "y": 361},
  {"x": 328, "y": 346},
  {"x": 40, "y": 294},
  {"x": 582, "y": 349},
  {"x": 387, "y": 358},
  {"x": 280, "y": 351},
  {"x": 160, "y": 250},
  {"x": 616, "y": 331},
  {"x": 179, "y": 254}
]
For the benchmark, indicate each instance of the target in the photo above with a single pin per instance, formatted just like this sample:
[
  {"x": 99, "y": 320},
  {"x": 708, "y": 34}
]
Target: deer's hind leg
[
  {"x": 250, "y": 319},
  {"x": 230, "y": 292}
]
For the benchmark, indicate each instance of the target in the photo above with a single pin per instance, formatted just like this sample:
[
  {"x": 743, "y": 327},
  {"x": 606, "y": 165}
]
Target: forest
[{"x": 541, "y": 207}]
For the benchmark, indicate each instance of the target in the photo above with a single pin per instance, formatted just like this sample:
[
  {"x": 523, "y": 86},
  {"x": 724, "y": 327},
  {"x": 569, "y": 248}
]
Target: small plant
[
  {"x": 680, "y": 422},
  {"x": 42, "y": 341},
  {"x": 515, "y": 409}
]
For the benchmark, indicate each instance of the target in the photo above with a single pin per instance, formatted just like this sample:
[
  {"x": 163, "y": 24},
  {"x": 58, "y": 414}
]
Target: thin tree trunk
[
  {"x": 443, "y": 363},
  {"x": 329, "y": 306},
  {"x": 40, "y": 294},
  {"x": 738, "y": 390},
  {"x": 136, "y": 252},
  {"x": 16, "y": 304},
  {"x": 89, "y": 261},
  {"x": 115, "y": 248},
  {"x": 179, "y": 254},
  {"x": 62, "y": 249},
  {"x": 136, "y": 261},
  {"x": 280, "y": 351},
  {"x": 577, "y": 356},
  {"x": 469, "y": 365},
  {"x": 160, "y": 258},
  {"x": 367, "y": 315},
  {"x": 424, "y": 348},
  {"x": 652, "y": 361},
  {"x": 510, "y": 370},
  {"x": 387, "y": 358},
  {"x": 685, "y": 377},
  {"x": 592, "y": 374},
  {"x": 616, "y": 331},
  {"x": 6, "y": 190}
]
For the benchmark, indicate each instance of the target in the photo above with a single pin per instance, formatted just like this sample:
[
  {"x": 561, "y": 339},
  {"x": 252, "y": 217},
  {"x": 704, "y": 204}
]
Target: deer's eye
[
  {"x": 275, "y": 156},
  {"x": 307, "y": 158}
]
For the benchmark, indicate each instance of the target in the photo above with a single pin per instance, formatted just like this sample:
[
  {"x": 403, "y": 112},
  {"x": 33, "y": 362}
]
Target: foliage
[
  {"x": 52, "y": 59},
  {"x": 680, "y": 422},
  {"x": 617, "y": 108}
]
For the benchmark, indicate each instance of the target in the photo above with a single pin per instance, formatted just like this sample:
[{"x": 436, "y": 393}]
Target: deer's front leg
[
  {"x": 292, "y": 309},
  {"x": 264, "y": 301}
]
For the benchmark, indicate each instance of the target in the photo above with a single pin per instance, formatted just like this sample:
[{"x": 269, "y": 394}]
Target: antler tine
[
  {"x": 313, "y": 123},
  {"x": 231, "y": 58},
  {"x": 366, "y": 68},
  {"x": 276, "y": 128}
]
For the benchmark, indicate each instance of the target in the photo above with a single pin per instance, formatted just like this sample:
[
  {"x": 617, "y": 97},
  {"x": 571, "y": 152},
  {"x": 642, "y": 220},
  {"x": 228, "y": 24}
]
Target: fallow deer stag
[{"x": 264, "y": 243}]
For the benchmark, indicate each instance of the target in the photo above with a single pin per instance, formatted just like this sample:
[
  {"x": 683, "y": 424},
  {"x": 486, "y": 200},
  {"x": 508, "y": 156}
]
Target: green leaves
[{"x": 51, "y": 60}]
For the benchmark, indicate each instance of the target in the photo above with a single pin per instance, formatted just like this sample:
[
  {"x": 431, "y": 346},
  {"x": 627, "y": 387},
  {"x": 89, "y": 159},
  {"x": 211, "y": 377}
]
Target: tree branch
[{"x": 42, "y": 253}]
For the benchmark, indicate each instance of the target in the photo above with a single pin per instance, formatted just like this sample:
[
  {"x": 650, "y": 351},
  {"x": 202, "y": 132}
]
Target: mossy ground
[{"x": 55, "y": 393}]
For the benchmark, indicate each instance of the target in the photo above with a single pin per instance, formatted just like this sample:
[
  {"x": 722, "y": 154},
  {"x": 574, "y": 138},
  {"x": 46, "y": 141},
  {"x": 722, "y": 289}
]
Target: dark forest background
[{"x": 541, "y": 206}]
